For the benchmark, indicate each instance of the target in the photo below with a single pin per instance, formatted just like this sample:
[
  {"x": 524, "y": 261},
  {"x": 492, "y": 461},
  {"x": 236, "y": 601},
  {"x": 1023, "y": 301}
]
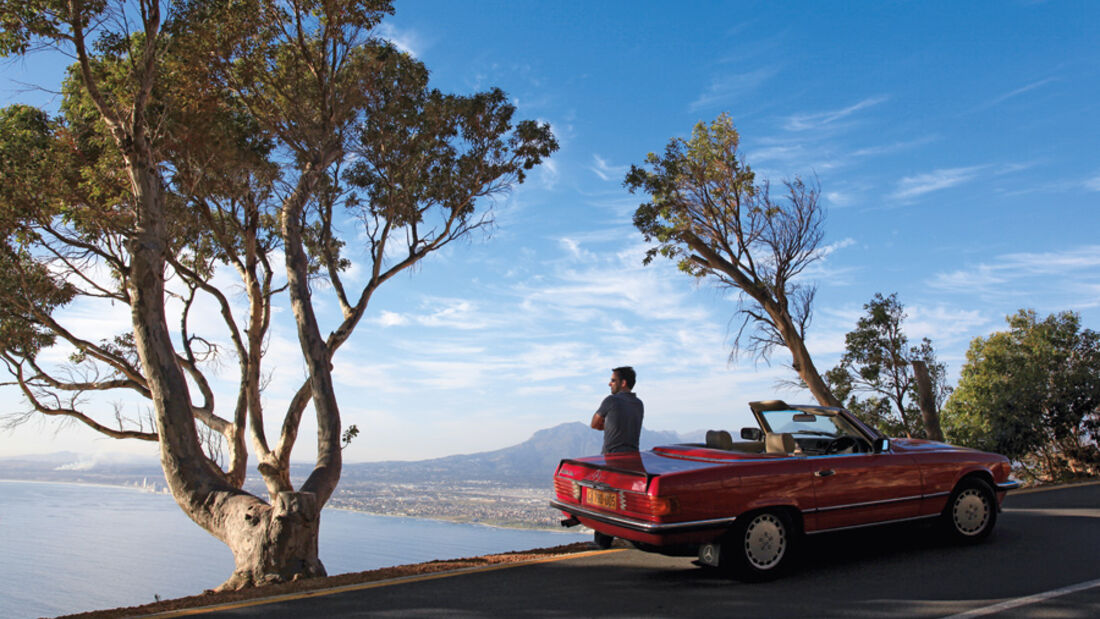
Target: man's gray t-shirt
[{"x": 622, "y": 422}]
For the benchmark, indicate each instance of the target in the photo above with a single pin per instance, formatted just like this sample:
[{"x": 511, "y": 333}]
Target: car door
[{"x": 857, "y": 489}]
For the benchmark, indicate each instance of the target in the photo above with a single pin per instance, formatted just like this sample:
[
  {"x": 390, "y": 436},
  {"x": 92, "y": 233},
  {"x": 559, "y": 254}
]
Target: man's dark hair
[{"x": 626, "y": 373}]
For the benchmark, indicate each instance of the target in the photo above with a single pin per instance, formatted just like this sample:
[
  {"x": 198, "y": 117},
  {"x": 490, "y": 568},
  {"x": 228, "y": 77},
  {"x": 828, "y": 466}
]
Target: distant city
[{"x": 510, "y": 487}]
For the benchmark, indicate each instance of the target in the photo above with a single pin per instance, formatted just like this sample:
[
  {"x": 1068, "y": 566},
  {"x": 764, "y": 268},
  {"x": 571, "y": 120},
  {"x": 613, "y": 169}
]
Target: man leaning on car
[
  {"x": 620, "y": 418},
  {"x": 620, "y": 414}
]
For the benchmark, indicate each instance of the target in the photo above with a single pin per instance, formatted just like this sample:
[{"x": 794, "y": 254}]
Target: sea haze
[{"x": 68, "y": 548}]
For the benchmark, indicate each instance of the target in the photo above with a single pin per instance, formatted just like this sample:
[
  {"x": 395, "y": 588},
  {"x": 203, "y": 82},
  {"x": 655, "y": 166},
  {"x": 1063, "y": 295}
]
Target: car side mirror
[
  {"x": 752, "y": 434},
  {"x": 882, "y": 445}
]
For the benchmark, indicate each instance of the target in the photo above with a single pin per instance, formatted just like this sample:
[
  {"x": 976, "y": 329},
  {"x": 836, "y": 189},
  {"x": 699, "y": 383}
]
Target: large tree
[
  {"x": 1032, "y": 393},
  {"x": 878, "y": 363},
  {"x": 708, "y": 212},
  {"x": 215, "y": 136}
]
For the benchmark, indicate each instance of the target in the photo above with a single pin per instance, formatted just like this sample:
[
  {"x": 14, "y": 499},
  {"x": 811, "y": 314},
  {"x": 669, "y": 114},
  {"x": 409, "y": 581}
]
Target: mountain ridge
[{"x": 529, "y": 463}]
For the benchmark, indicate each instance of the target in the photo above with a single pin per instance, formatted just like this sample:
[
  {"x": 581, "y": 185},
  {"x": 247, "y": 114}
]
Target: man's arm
[{"x": 597, "y": 421}]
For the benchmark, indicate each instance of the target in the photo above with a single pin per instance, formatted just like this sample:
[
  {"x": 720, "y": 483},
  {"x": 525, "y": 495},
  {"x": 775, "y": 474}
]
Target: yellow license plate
[{"x": 600, "y": 498}]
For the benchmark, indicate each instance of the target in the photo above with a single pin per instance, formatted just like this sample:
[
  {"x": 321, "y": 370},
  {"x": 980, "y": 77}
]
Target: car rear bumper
[{"x": 643, "y": 526}]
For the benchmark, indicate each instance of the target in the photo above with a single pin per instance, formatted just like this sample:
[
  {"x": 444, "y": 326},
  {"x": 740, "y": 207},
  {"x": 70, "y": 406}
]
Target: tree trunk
[
  {"x": 806, "y": 369},
  {"x": 778, "y": 313},
  {"x": 270, "y": 543},
  {"x": 927, "y": 402},
  {"x": 800, "y": 356},
  {"x": 274, "y": 543},
  {"x": 326, "y": 473}
]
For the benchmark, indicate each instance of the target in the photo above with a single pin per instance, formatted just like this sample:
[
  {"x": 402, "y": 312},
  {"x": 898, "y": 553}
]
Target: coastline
[
  {"x": 74, "y": 533},
  {"x": 333, "y": 507}
]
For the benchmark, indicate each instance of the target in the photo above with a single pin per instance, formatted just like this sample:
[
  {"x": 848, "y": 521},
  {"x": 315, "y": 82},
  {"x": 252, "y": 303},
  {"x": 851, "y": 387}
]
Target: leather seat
[
  {"x": 779, "y": 443},
  {"x": 719, "y": 439}
]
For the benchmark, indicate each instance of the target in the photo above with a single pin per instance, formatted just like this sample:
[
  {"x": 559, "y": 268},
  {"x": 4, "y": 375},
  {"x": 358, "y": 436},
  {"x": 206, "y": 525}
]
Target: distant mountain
[
  {"x": 530, "y": 463},
  {"x": 66, "y": 466}
]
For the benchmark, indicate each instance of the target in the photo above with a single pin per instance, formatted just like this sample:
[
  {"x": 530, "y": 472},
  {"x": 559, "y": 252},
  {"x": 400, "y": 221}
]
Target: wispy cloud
[
  {"x": 834, "y": 247},
  {"x": 548, "y": 174},
  {"x": 821, "y": 151},
  {"x": 942, "y": 324},
  {"x": 405, "y": 40},
  {"x": 817, "y": 120},
  {"x": 444, "y": 313},
  {"x": 726, "y": 88},
  {"x": 605, "y": 170},
  {"x": 1014, "y": 93},
  {"x": 979, "y": 277},
  {"x": 915, "y": 186},
  {"x": 886, "y": 149},
  {"x": 1093, "y": 184},
  {"x": 823, "y": 270},
  {"x": 1066, "y": 279},
  {"x": 392, "y": 319}
]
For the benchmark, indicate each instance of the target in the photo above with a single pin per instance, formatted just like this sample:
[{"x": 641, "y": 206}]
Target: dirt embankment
[{"x": 341, "y": 580}]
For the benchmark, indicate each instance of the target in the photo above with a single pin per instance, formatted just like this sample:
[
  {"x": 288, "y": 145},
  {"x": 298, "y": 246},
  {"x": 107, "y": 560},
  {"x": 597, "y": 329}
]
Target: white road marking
[
  {"x": 1087, "y": 512},
  {"x": 1025, "y": 601}
]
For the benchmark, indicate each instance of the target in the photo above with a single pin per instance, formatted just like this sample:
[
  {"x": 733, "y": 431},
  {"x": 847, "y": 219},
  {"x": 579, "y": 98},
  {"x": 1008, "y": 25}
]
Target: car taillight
[
  {"x": 664, "y": 506},
  {"x": 576, "y": 491},
  {"x": 651, "y": 505}
]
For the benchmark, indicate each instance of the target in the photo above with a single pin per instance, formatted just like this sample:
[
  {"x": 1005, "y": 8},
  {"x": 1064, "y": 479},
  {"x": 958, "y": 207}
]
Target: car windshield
[{"x": 798, "y": 422}]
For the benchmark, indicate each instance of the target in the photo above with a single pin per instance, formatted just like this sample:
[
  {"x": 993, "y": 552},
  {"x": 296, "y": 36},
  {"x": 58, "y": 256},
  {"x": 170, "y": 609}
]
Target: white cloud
[
  {"x": 915, "y": 186},
  {"x": 726, "y": 88},
  {"x": 392, "y": 319},
  {"x": 779, "y": 152},
  {"x": 980, "y": 277},
  {"x": 454, "y": 314},
  {"x": 885, "y": 149},
  {"x": 942, "y": 324},
  {"x": 606, "y": 171},
  {"x": 1014, "y": 93},
  {"x": 834, "y": 247},
  {"x": 818, "y": 152},
  {"x": 839, "y": 198},
  {"x": 1093, "y": 184},
  {"x": 357, "y": 373},
  {"x": 822, "y": 270},
  {"x": 1055, "y": 279},
  {"x": 574, "y": 250},
  {"x": 548, "y": 175},
  {"x": 405, "y": 40},
  {"x": 817, "y": 120},
  {"x": 564, "y": 359}
]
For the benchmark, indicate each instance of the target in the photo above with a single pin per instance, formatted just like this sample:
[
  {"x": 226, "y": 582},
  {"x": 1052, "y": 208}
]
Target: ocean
[{"x": 67, "y": 548}]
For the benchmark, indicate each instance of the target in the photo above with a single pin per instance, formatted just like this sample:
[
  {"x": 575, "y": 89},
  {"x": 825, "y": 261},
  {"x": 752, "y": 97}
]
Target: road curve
[{"x": 1041, "y": 561}]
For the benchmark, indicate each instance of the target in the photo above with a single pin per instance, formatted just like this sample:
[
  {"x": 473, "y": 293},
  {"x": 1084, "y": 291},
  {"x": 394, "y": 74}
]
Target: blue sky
[{"x": 955, "y": 144}]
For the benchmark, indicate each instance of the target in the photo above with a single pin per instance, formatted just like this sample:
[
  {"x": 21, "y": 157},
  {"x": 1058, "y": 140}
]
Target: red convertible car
[{"x": 744, "y": 505}]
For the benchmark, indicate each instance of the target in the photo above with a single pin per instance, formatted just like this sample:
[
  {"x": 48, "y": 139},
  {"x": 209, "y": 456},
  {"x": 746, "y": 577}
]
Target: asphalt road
[{"x": 1043, "y": 560}]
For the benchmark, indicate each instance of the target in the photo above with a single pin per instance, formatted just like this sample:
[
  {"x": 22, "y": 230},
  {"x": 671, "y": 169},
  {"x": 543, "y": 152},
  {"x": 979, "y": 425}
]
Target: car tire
[
  {"x": 760, "y": 547},
  {"x": 971, "y": 512}
]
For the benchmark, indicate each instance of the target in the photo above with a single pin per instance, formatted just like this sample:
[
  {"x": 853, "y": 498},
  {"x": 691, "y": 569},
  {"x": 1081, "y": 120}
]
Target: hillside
[{"x": 530, "y": 463}]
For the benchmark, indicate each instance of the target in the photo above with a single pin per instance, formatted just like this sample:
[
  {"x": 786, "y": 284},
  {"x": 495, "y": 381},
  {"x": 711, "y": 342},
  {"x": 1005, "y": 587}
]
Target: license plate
[{"x": 601, "y": 498}]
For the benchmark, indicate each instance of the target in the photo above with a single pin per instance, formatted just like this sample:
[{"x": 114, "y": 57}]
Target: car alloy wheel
[
  {"x": 970, "y": 512},
  {"x": 765, "y": 541}
]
